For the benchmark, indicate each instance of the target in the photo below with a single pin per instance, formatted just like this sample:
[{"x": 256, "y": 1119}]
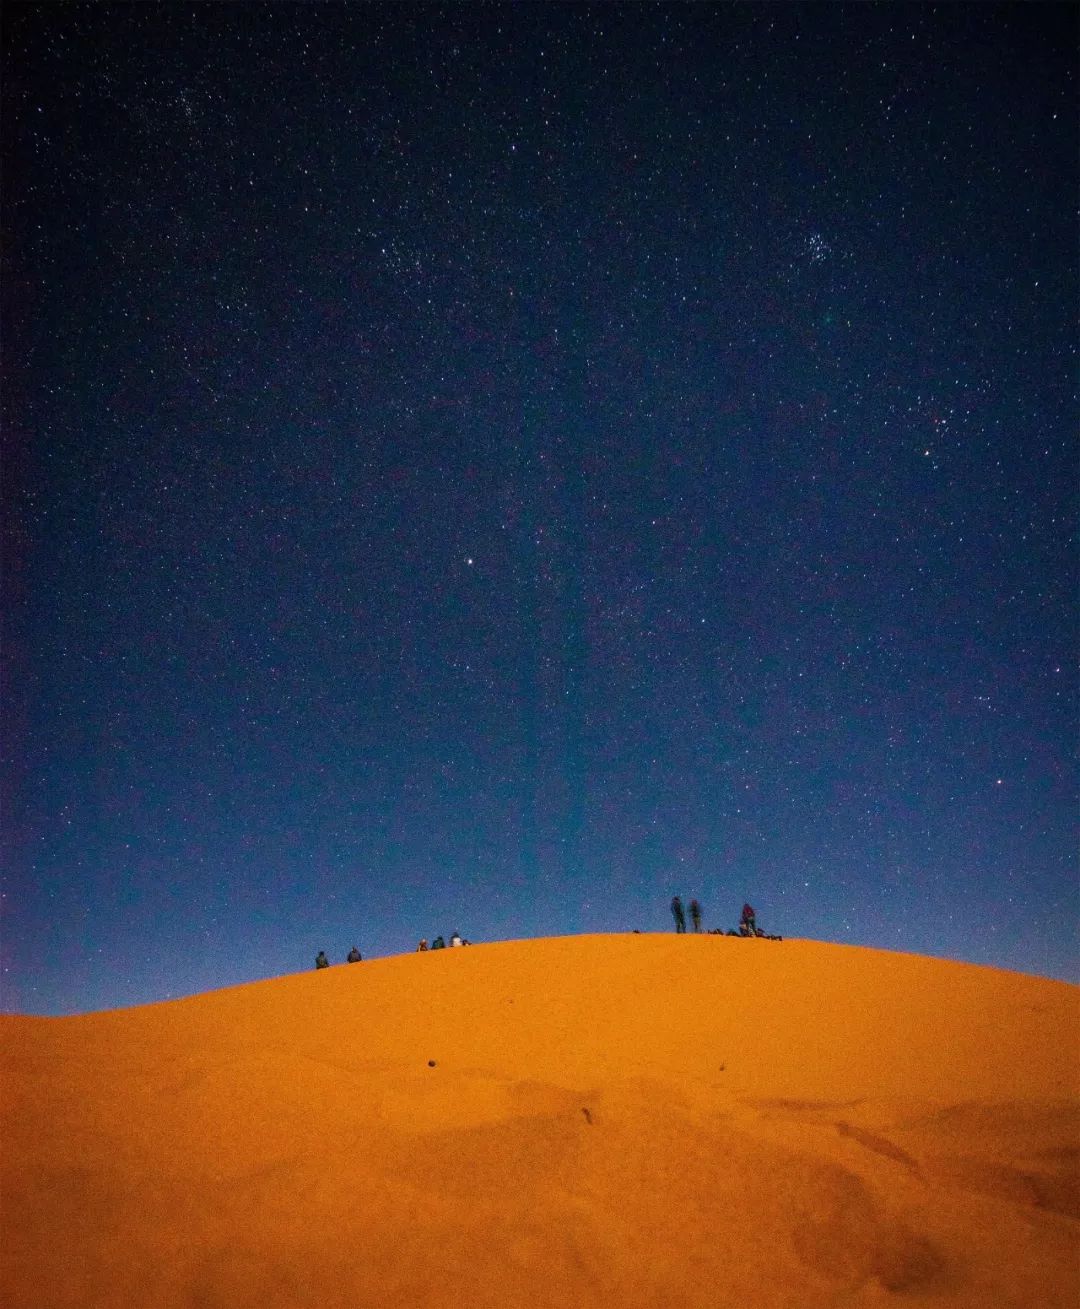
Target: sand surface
[{"x": 588, "y": 1121}]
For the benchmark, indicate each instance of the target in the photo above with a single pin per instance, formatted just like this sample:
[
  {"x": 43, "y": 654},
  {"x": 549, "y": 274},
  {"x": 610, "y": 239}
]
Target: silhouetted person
[
  {"x": 455, "y": 939},
  {"x": 422, "y": 945},
  {"x": 678, "y": 915},
  {"x": 438, "y": 944},
  {"x": 354, "y": 956},
  {"x": 748, "y": 920},
  {"x": 321, "y": 960},
  {"x": 695, "y": 915}
]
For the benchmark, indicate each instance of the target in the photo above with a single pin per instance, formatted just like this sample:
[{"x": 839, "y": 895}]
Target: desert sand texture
[{"x": 586, "y": 1121}]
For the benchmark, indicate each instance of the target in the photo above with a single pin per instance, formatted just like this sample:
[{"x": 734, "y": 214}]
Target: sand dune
[{"x": 588, "y": 1121}]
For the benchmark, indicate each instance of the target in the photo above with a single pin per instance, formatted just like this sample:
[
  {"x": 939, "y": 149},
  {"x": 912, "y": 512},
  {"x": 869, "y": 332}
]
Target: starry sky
[{"x": 492, "y": 467}]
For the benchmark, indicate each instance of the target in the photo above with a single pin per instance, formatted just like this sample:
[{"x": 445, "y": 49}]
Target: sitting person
[
  {"x": 354, "y": 956},
  {"x": 423, "y": 944},
  {"x": 321, "y": 960}
]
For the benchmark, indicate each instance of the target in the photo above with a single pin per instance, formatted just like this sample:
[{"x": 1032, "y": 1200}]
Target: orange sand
[{"x": 611, "y": 1121}]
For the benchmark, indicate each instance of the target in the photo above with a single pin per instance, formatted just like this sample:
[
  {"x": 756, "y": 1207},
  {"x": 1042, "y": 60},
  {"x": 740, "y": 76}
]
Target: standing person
[
  {"x": 749, "y": 920},
  {"x": 678, "y": 915},
  {"x": 354, "y": 956},
  {"x": 321, "y": 960},
  {"x": 695, "y": 915}
]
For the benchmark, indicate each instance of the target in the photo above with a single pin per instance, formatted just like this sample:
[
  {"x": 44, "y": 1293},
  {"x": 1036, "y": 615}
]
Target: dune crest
[{"x": 642, "y": 1120}]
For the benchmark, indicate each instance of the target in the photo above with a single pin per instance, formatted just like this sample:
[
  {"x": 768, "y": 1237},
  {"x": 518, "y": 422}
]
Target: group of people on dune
[
  {"x": 747, "y": 923},
  {"x": 354, "y": 956},
  {"x": 440, "y": 944},
  {"x": 747, "y": 927}
]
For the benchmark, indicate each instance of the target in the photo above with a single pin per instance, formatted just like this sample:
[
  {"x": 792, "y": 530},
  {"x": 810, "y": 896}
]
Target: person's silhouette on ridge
[
  {"x": 695, "y": 915},
  {"x": 354, "y": 956},
  {"x": 678, "y": 915},
  {"x": 321, "y": 960}
]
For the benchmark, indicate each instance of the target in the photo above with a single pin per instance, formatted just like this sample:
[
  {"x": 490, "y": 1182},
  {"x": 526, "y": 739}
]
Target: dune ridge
[{"x": 645, "y": 1120}]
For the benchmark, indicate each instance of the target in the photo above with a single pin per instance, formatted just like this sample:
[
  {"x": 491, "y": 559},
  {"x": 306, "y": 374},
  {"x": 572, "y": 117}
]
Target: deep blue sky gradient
[{"x": 491, "y": 468}]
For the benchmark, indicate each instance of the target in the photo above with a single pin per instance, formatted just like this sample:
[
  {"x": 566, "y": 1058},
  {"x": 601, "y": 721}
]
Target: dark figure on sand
[
  {"x": 695, "y": 915},
  {"x": 354, "y": 956},
  {"x": 749, "y": 919},
  {"x": 678, "y": 914},
  {"x": 321, "y": 960}
]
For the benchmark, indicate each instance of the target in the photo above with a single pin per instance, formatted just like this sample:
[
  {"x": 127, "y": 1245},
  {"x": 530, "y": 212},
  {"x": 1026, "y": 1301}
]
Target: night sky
[{"x": 490, "y": 468}]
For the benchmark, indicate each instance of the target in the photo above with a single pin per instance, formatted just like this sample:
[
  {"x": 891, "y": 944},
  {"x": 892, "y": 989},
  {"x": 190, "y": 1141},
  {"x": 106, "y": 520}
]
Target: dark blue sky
[{"x": 491, "y": 468}]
